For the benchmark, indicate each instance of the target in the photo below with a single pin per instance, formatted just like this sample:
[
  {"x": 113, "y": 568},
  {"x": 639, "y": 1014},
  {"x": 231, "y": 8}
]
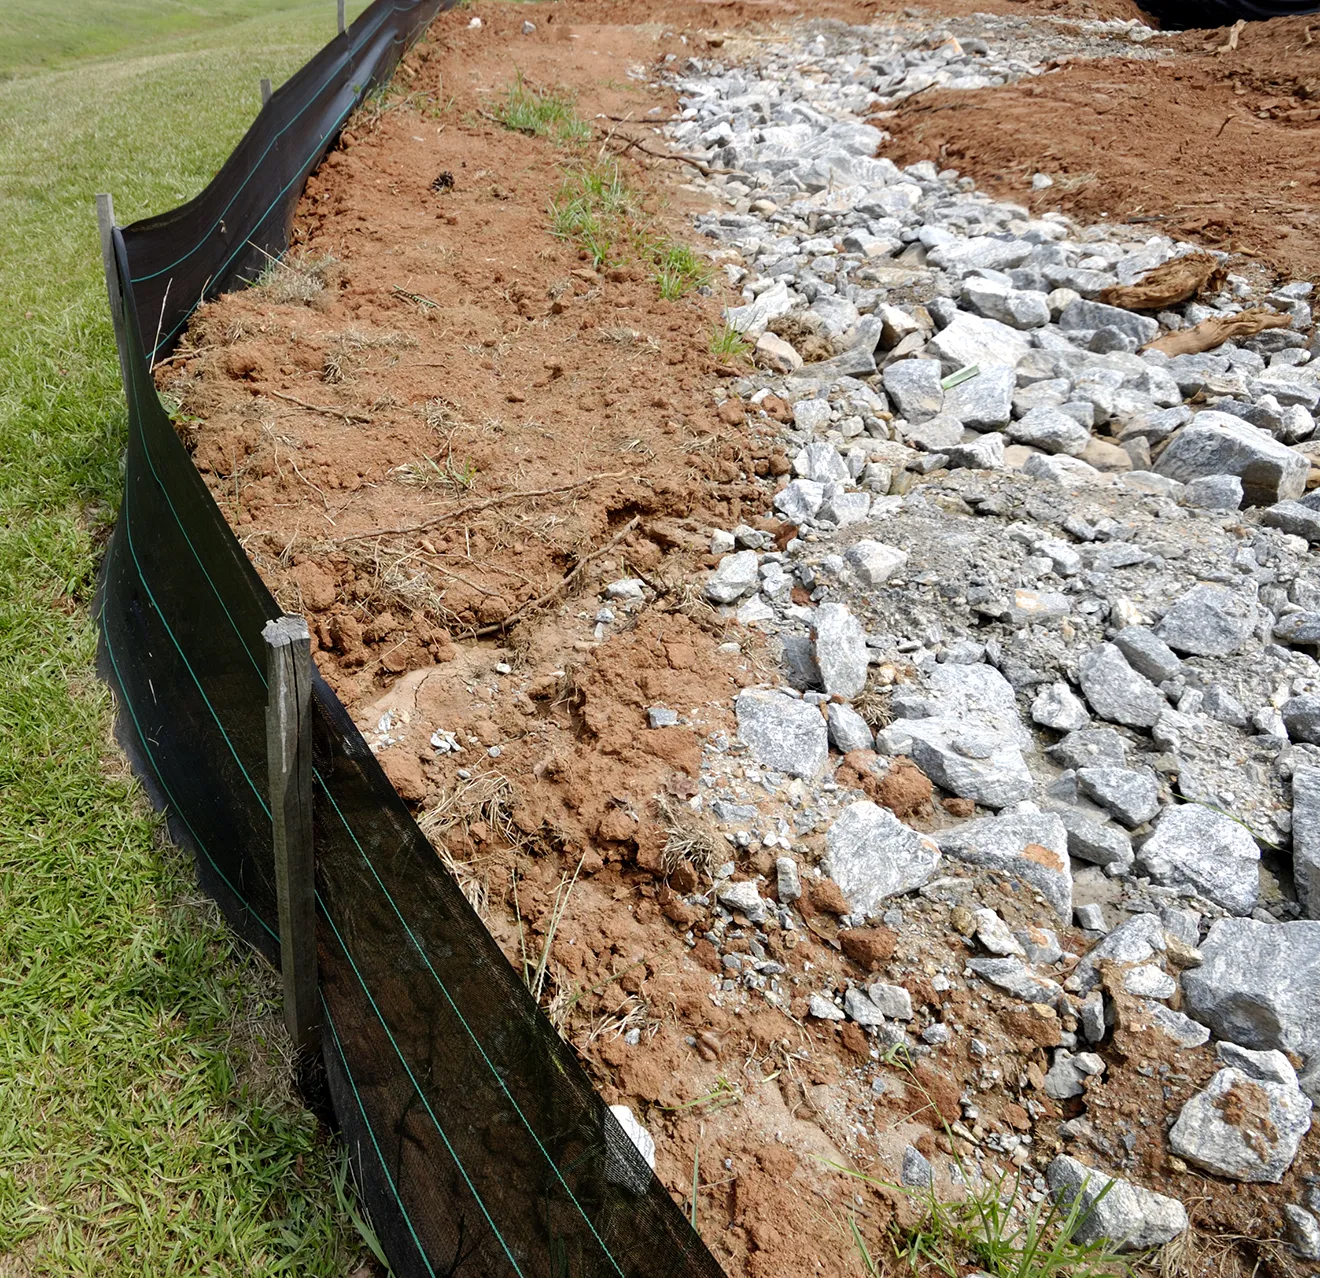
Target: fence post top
[{"x": 285, "y": 630}]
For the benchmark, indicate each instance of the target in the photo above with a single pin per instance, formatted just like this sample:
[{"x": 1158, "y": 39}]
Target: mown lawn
[{"x": 147, "y": 1125}]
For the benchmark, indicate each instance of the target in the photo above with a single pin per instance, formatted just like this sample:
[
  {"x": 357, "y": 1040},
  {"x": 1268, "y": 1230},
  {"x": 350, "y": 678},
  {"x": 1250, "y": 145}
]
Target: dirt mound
[
  {"x": 486, "y": 465},
  {"x": 1220, "y": 148}
]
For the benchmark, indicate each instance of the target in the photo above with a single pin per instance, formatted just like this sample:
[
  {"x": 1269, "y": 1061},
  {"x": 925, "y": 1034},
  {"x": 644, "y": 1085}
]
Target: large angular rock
[
  {"x": 1214, "y": 854},
  {"x": 1117, "y": 692},
  {"x": 872, "y": 856},
  {"x": 848, "y": 730},
  {"x": 821, "y": 461},
  {"x": 1259, "y": 985},
  {"x": 783, "y": 733},
  {"x": 1302, "y": 1226},
  {"x": 984, "y": 402},
  {"x": 736, "y": 576},
  {"x": 935, "y": 435},
  {"x": 1015, "y": 307},
  {"x": 986, "y": 252},
  {"x": 1306, "y": 839},
  {"x": 800, "y": 500},
  {"x": 757, "y": 314},
  {"x": 1016, "y": 978},
  {"x": 1135, "y": 940},
  {"x": 1148, "y": 654},
  {"x": 1220, "y": 444},
  {"x": 1061, "y": 469},
  {"x": 1082, "y": 315},
  {"x": 1130, "y": 795},
  {"x": 1050, "y": 430},
  {"x": 1091, "y": 837},
  {"x": 1301, "y": 717},
  {"x": 914, "y": 387},
  {"x": 744, "y": 898},
  {"x": 986, "y": 452},
  {"x": 1249, "y": 1120},
  {"x": 1031, "y": 846},
  {"x": 1057, "y": 706},
  {"x": 1209, "y": 621},
  {"x": 969, "y": 739},
  {"x": 970, "y": 339},
  {"x": 840, "y": 649},
  {"x": 1293, "y": 517},
  {"x": 873, "y": 562},
  {"x": 1090, "y": 748},
  {"x": 1128, "y": 1216}
]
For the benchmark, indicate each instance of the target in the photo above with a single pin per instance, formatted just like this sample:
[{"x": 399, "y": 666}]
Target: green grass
[
  {"x": 146, "y": 1120},
  {"x": 541, "y": 114},
  {"x": 41, "y": 34},
  {"x": 678, "y": 270},
  {"x": 996, "y": 1230},
  {"x": 729, "y": 345},
  {"x": 596, "y": 210}
]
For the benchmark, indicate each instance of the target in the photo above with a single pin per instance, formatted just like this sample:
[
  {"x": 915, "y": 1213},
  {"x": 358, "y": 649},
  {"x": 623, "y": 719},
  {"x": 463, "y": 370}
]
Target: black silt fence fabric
[{"x": 481, "y": 1146}]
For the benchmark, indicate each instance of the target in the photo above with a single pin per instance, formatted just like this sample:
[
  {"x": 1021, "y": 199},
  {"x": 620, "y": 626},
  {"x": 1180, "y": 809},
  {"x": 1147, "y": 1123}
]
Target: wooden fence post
[
  {"x": 265, "y": 90},
  {"x": 289, "y": 753},
  {"x": 343, "y": 26}
]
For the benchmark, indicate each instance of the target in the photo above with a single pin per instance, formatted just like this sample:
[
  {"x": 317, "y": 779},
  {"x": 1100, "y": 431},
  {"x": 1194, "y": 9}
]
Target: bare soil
[
  {"x": 1222, "y": 148},
  {"x": 445, "y": 454}
]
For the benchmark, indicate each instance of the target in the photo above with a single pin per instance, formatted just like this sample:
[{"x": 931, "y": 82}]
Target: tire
[{"x": 1222, "y": 13}]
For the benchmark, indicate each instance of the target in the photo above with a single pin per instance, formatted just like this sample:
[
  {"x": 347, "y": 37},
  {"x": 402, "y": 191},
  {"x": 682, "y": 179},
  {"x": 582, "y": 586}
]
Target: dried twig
[
  {"x": 319, "y": 408},
  {"x": 706, "y": 170},
  {"x": 555, "y": 591},
  {"x": 472, "y": 508}
]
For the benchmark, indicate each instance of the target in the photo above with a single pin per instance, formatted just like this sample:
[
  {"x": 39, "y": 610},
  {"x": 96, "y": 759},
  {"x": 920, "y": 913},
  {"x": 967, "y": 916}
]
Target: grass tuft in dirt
[
  {"x": 595, "y": 210},
  {"x": 430, "y": 475},
  {"x": 995, "y": 1229},
  {"x": 729, "y": 345},
  {"x": 541, "y": 114},
  {"x": 678, "y": 271}
]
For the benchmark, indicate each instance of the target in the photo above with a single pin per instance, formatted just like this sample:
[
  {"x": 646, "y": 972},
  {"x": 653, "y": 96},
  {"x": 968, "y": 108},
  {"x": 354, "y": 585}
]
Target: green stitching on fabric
[
  {"x": 421, "y": 1095},
  {"x": 165, "y": 492},
  {"x": 169, "y": 630},
  {"x": 142, "y": 737},
  {"x": 371, "y": 1131},
  {"x": 463, "y": 1021}
]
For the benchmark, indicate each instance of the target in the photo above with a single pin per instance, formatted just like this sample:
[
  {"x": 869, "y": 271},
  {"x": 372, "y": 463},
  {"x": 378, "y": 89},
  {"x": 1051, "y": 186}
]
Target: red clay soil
[
  {"x": 442, "y": 457},
  {"x": 1219, "y": 148}
]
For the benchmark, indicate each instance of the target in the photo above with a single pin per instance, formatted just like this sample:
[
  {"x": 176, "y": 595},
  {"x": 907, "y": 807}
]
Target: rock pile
[{"x": 1048, "y": 596}]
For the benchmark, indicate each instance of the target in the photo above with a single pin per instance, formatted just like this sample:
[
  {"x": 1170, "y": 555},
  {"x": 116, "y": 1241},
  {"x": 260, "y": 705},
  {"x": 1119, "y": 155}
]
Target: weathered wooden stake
[
  {"x": 289, "y": 751},
  {"x": 343, "y": 26},
  {"x": 265, "y": 90},
  {"x": 105, "y": 218}
]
